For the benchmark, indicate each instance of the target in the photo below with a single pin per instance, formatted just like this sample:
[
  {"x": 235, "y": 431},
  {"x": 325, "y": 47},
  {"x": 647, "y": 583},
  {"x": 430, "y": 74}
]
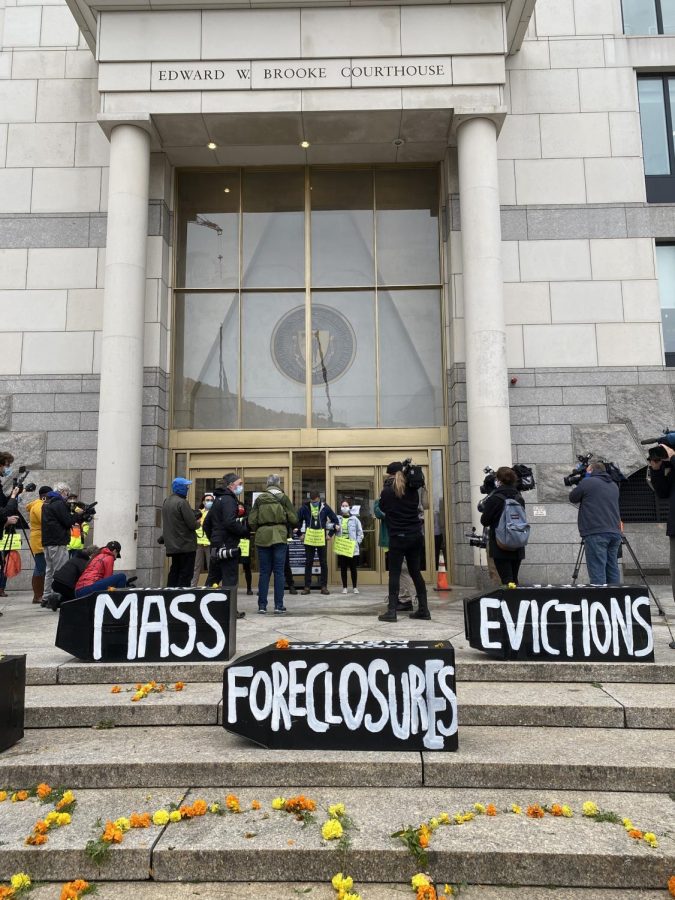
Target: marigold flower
[
  {"x": 19, "y": 796},
  {"x": 336, "y": 810},
  {"x": 255, "y": 804},
  {"x": 111, "y": 834},
  {"x": 199, "y": 807},
  {"x": 556, "y": 810},
  {"x": 36, "y": 840},
  {"x": 139, "y": 820},
  {"x": 41, "y": 827},
  {"x": 43, "y": 790},
  {"x": 331, "y": 830},
  {"x": 20, "y": 881},
  {"x": 671, "y": 885},
  {"x": 3, "y": 796},
  {"x": 160, "y": 817},
  {"x": 448, "y": 890},
  {"x": 480, "y": 809},
  {"x": 179, "y": 685},
  {"x": 115, "y": 689},
  {"x": 627, "y": 824},
  {"x": 636, "y": 834},
  {"x": 567, "y": 811},
  {"x": 174, "y": 815},
  {"x": 122, "y": 823},
  {"x": 350, "y": 897},
  {"x": 278, "y": 803},
  {"x": 64, "y": 819},
  {"x": 6, "y": 892},
  {"x": 444, "y": 818},
  {"x": 426, "y": 892},
  {"x": 299, "y": 804},
  {"x": 214, "y": 808},
  {"x": 73, "y": 890},
  {"x": 282, "y": 644},
  {"x": 419, "y": 880},
  {"x": 490, "y": 810},
  {"x": 139, "y": 695},
  {"x": 66, "y": 800},
  {"x": 534, "y": 811},
  {"x": 590, "y": 809},
  {"x": 651, "y": 839},
  {"x": 232, "y": 803},
  {"x": 342, "y": 882},
  {"x": 51, "y": 817},
  {"x": 516, "y": 809}
]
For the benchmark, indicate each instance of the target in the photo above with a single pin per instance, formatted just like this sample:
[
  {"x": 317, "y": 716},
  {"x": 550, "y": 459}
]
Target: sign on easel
[
  {"x": 345, "y": 695},
  {"x": 562, "y": 624},
  {"x": 151, "y": 625}
]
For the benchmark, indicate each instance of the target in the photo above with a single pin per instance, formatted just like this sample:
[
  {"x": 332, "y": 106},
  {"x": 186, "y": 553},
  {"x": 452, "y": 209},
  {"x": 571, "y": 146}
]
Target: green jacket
[
  {"x": 270, "y": 517},
  {"x": 383, "y": 540}
]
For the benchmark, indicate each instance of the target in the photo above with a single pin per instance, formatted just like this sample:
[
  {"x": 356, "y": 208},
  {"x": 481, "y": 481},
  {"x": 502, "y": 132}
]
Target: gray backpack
[{"x": 513, "y": 529}]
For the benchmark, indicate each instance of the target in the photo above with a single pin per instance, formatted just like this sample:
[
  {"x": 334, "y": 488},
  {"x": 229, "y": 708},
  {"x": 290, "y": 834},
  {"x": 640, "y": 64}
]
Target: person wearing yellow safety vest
[
  {"x": 78, "y": 533},
  {"x": 203, "y": 543},
  {"x": 314, "y": 518},
  {"x": 34, "y": 509}
]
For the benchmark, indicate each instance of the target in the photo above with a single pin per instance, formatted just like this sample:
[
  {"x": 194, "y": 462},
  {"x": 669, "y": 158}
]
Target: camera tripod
[{"x": 643, "y": 578}]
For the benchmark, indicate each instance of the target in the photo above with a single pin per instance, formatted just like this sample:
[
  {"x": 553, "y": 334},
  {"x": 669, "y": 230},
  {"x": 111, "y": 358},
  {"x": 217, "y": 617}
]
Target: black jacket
[
  {"x": 9, "y": 506},
  {"x": 402, "y": 512},
  {"x": 69, "y": 573},
  {"x": 663, "y": 482},
  {"x": 599, "y": 509},
  {"x": 223, "y": 526},
  {"x": 491, "y": 513},
  {"x": 57, "y": 521}
]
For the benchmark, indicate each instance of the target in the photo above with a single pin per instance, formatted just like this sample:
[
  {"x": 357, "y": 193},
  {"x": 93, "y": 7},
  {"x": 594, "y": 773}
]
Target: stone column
[
  {"x": 118, "y": 460},
  {"x": 484, "y": 329}
]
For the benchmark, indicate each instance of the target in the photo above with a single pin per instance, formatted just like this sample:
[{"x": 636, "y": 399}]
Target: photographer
[
  {"x": 507, "y": 562},
  {"x": 225, "y": 526},
  {"x": 599, "y": 523},
  {"x": 663, "y": 481},
  {"x": 399, "y": 501},
  {"x": 57, "y": 520}
]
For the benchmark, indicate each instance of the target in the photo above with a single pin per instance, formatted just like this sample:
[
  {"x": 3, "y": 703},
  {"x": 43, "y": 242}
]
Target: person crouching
[{"x": 99, "y": 575}]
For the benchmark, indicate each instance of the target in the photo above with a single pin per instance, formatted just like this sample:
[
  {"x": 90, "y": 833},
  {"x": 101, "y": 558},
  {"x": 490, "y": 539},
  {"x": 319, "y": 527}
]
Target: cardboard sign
[
  {"x": 345, "y": 695},
  {"x": 585, "y": 624},
  {"x": 162, "y": 625},
  {"x": 12, "y": 699},
  {"x": 344, "y": 546},
  {"x": 245, "y": 546},
  {"x": 315, "y": 537}
]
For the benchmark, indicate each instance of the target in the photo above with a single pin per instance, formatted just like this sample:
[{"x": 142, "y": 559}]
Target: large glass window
[
  {"x": 364, "y": 308},
  {"x": 665, "y": 268},
  {"x": 648, "y": 17},
  {"x": 656, "y": 95}
]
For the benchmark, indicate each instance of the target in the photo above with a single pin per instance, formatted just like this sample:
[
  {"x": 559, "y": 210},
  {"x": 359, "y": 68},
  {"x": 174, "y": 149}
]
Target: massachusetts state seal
[{"x": 333, "y": 344}]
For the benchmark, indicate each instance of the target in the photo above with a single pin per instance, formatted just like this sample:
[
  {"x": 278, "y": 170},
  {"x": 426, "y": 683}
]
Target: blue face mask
[
  {"x": 8, "y": 470},
  {"x": 208, "y": 504},
  {"x": 239, "y": 489}
]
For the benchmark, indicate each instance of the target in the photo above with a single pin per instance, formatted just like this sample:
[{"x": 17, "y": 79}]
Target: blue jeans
[
  {"x": 40, "y": 565},
  {"x": 271, "y": 559},
  {"x": 602, "y": 553},
  {"x": 116, "y": 580}
]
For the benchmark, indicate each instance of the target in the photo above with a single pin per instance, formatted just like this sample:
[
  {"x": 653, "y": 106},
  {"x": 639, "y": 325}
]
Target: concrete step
[
  {"x": 519, "y": 757},
  {"x": 150, "y": 890},
  {"x": 480, "y": 703},
  {"x": 274, "y": 847}
]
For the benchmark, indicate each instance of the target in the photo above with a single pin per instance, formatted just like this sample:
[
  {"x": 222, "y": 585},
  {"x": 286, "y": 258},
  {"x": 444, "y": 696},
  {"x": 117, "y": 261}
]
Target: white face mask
[
  {"x": 344, "y": 510},
  {"x": 208, "y": 504}
]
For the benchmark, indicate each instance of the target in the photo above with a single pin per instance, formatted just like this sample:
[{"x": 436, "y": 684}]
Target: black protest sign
[
  {"x": 12, "y": 699},
  {"x": 162, "y": 625},
  {"x": 563, "y": 624},
  {"x": 345, "y": 695}
]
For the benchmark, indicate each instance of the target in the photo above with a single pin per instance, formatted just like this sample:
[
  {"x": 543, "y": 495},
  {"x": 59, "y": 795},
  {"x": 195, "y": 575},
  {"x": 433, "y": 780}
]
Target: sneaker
[
  {"x": 421, "y": 614},
  {"x": 345, "y": 591},
  {"x": 355, "y": 591},
  {"x": 325, "y": 591},
  {"x": 305, "y": 591},
  {"x": 280, "y": 609},
  {"x": 262, "y": 610},
  {"x": 389, "y": 616}
]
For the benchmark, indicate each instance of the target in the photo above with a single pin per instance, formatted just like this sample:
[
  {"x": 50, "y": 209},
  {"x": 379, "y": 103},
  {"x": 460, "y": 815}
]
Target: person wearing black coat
[
  {"x": 400, "y": 504},
  {"x": 9, "y": 516},
  {"x": 65, "y": 578},
  {"x": 507, "y": 562},
  {"x": 57, "y": 520},
  {"x": 225, "y": 526},
  {"x": 662, "y": 479}
]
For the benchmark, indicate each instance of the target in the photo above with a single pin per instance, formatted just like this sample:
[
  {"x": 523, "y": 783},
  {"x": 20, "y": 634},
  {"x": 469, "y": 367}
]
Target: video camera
[
  {"x": 477, "y": 540},
  {"x": 84, "y": 512},
  {"x": 414, "y": 475},
  {"x": 525, "y": 479},
  {"x": 19, "y": 481},
  {"x": 578, "y": 473},
  {"x": 658, "y": 452}
]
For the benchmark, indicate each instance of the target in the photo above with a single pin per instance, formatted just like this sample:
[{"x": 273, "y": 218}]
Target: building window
[
  {"x": 665, "y": 270},
  {"x": 656, "y": 96},
  {"x": 648, "y": 17},
  {"x": 351, "y": 256}
]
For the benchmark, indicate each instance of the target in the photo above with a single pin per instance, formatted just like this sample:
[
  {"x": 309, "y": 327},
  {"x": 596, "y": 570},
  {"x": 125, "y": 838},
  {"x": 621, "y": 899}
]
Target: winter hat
[
  {"x": 180, "y": 486},
  {"x": 44, "y": 490},
  {"x": 394, "y": 467}
]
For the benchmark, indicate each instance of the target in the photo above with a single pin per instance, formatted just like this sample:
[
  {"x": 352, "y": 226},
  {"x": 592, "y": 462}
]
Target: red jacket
[{"x": 100, "y": 567}]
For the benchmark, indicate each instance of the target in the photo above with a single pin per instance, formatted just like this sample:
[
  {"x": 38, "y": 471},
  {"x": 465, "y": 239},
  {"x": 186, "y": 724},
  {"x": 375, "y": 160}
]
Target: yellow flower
[
  {"x": 214, "y": 808},
  {"x": 444, "y": 818},
  {"x": 63, "y": 819},
  {"x": 650, "y": 838},
  {"x": 516, "y": 809},
  {"x": 336, "y": 810},
  {"x": 51, "y": 817},
  {"x": 331, "y": 830},
  {"x": 627, "y": 824},
  {"x": 174, "y": 815},
  {"x": 418, "y": 880},
  {"x": 139, "y": 695},
  {"x": 567, "y": 811},
  {"x": 448, "y": 890},
  {"x": 20, "y": 881},
  {"x": 342, "y": 882},
  {"x": 278, "y": 803},
  {"x": 3, "y": 796},
  {"x": 434, "y": 823},
  {"x": 351, "y": 897},
  {"x": 590, "y": 809},
  {"x": 160, "y": 817},
  {"x": 122, "y": 823},
  {"x": 480, "y": 809}
]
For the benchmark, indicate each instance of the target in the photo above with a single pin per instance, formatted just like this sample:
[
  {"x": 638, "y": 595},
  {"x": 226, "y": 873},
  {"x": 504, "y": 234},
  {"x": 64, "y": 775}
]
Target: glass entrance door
[{"x": 359, "y": 486}]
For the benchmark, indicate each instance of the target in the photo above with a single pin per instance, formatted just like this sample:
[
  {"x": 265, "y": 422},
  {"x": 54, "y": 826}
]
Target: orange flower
[
  {"x": 112, "y": 834},
  {"x": 22, "y": 795},
  {"x": 255, "y": 804},
  {"x": 490, "y": 810},
  {"x": 72, "y": 890},
  {"x": 299, "y": 804},
  {"x": 635, "y": 833},
  {"x": 671, "y": 885},
  {"x": 6, "y": 892},
  {"x": 43, "y": 790},
  {"x": 556, "y": 810},
  {"x": 232, "y": 803},
  {"x": 535, "y": 811},
  {"x": 179, "y": 685},
  {"x": 426, "y": 892},
  {"x": 199, "y": 808},
  {"x": 139, "y": 820},
  {"x": 186, "y": 811},
  {"x": 41, "y": 827},
  {"x": 282, "y": 644},
  {"x": 35, "y": 840},
  {"x": 116, "y": 689}
]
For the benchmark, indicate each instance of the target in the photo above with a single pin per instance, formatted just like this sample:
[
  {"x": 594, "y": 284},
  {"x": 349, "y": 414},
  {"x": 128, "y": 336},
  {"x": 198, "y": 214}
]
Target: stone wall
[
  {"x": 555, "y": 415},
  {"x": 50, "y": 425}
]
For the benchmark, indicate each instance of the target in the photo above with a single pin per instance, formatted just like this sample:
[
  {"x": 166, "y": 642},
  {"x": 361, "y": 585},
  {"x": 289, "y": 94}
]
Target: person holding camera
[
  {"x": 9, "y": 509},
  {"x": 662, "y": 480},
  {"x": 179, "y": 526},
  {"x": 225, "y": 526},
  {"x": 599, "y": 523},
  {"x": 57, "y": 520},
  {"x": 270, "y": 518},
  {"x": 507, "y": 561},
  {"x": 34, "y": 509},
  {"x": 399, "y": 501}
]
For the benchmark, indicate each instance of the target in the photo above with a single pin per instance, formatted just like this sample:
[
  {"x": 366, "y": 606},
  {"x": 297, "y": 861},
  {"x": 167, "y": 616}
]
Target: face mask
[
  {"x": 345, "y": 510},
  {"x": 8, "y": 470},
  {"x": 208, "y": 504},
  {"x": 239, "y": 489}
]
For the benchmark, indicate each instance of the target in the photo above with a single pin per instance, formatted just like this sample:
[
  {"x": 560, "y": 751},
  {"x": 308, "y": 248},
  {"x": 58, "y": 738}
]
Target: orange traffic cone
[{"x": 442, "y": 577}]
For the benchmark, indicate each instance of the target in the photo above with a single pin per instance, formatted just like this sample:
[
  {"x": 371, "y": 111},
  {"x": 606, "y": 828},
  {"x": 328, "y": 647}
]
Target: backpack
[
  {"x": 513, "y": 529},
  {"x": 414, "y": 476}
]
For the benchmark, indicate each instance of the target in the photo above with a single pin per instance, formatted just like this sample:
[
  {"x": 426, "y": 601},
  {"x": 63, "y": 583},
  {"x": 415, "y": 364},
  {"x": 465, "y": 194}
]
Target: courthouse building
[{"x": 312, "y": 236}]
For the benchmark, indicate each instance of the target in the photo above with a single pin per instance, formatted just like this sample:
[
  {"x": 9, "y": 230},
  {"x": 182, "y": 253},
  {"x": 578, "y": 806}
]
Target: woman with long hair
[
  {"x": 507, "y": 562},
  {"x": 400, "y": 504}
]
